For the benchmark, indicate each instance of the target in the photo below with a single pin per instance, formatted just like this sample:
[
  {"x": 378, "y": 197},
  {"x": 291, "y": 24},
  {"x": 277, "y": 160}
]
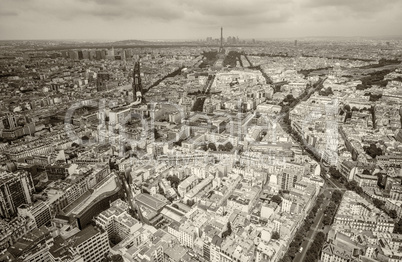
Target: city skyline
[
  {"x": 185, "y": 20},
  {"x": 200, "y": 131}
]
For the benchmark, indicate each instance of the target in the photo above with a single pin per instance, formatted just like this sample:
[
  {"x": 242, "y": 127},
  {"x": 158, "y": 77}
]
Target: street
[
  {"x": 329, "y": 185},
  {"x": 316, "y": 227}
]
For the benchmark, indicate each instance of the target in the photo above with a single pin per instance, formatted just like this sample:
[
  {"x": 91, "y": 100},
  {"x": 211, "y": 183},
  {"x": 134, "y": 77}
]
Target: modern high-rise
[
  {"x": 215, "y": 249},
  {"x": 15, "y": 189},
  {"x": 288, "y": 179},
  {"x": 39, "y": 212},
  {"x": 117, "y": 222},
  {"x": 101, "y": 81},
  {"x": 73, "y": 54},
  {"x": 9, "y": 122},
  {"x": 91, "y": 243}
]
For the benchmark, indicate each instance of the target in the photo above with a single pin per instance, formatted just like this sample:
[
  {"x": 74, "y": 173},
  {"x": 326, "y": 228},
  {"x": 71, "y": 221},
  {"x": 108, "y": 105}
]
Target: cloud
[
  {"x": 208, "y": 12},
  {"x": 353, "y": 6},
  {"x": 236, "y": 13},
  {"x": 195, "y": 18},
  {"x": 234, "y": 7},
  {"x": 8, "y": 13},
  {"x": 132, "y": 9},
  {"x": 102, "y": 9}
]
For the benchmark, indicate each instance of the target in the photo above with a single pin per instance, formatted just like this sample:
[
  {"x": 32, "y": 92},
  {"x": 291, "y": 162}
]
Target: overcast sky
[{"x": 197, "y": 19}]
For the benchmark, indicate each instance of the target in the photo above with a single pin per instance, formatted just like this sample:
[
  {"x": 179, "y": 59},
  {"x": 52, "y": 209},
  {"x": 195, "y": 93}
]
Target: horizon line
[{"x": 202, "y": 38}]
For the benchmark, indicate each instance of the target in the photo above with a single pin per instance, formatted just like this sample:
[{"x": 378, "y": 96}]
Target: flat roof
[
  {"x": 84, "y": 235},
  {"x": 150, "y": 201}
]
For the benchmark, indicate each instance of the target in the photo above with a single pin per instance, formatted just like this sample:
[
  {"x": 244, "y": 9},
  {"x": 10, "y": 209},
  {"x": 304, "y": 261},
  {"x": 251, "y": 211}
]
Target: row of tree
[
  {"x": 326, "y": 92},
  {"x": 374, "y": 78},
  {"x": 289, "y": 100},
  {"x": 314, "y": 250},
  {"x": 198, "y": 104},
  {"x": 280, "y": 54},
  {"x": 306, "y": 72},
  {"x": 309, "y": 149},
  {"x": 330, "y": 210},
  {"x": 211, "y": 146},
  {"x": 275, "y": 235},
  {"x": 354, "y": 186},
  {"x": 209, "y": 59},
  {"x": 174, "y": 181},
  {"x": 302, "y": 232},
  {"x": 113, "y": 258},
  {"x": 373, "y": 97},
  {"x": 232, "y": 58},
  {"x": 373, "y": 150},
  {"x": 350, "y": 185},
  {"x": 277, "y": 199},
  {"x": 382, "y": 62},
  {"x": 398, "y": 227},
  {"x": 228, "y": 230},
  {"x": 268, "y": 80},
  {"x": 349, "y": 111},
  {"x": 190, "y": 202}
]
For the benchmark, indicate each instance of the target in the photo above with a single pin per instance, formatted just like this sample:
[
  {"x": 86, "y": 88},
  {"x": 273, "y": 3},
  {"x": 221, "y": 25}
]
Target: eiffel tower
[{"x": 221, "y": 49}]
